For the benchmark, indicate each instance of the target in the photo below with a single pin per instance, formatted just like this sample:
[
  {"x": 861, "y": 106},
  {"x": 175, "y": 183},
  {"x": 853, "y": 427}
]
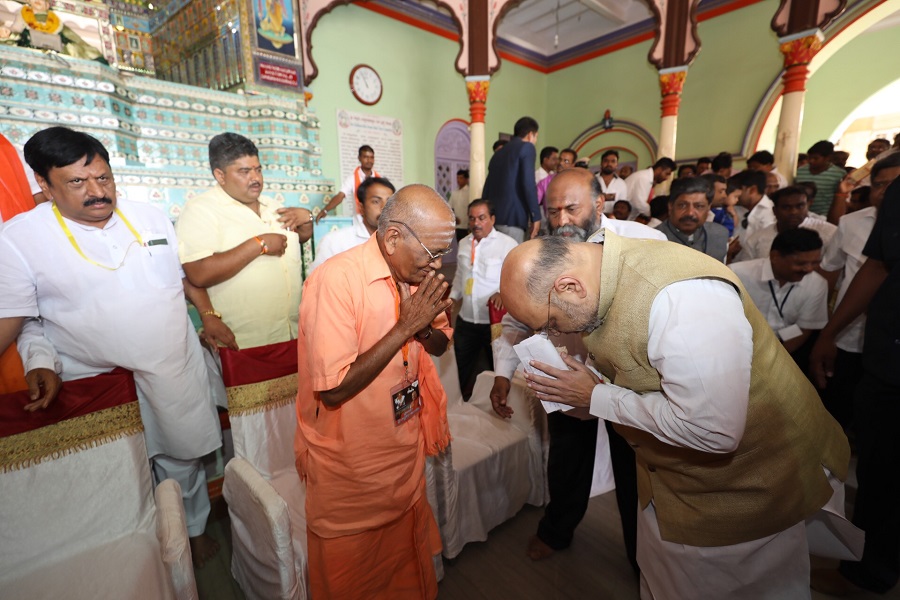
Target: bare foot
[
  {"x": 537, "y": 549},
  {"x": 203, "y": 548}
]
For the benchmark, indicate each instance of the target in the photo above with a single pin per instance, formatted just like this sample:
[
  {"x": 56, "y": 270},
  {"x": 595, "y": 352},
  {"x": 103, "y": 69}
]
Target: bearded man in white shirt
[{"x": 710, "y": 526}]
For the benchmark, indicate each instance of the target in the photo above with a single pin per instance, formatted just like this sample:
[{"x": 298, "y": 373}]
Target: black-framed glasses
[
  {"x": 432, "y": 255},
  {"x": 548, "y": 330}
]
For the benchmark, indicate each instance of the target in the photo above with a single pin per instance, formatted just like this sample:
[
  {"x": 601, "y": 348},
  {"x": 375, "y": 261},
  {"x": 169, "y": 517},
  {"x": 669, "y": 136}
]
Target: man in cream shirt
[{"x": 244, "y": 248}]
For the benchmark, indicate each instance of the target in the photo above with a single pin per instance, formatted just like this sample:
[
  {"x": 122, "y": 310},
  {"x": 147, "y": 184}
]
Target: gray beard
[{"x": 579, "y": 234}]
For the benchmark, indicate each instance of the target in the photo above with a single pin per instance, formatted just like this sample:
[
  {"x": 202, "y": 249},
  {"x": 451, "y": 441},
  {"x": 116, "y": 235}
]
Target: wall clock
[{"x": 365, "y": 83}]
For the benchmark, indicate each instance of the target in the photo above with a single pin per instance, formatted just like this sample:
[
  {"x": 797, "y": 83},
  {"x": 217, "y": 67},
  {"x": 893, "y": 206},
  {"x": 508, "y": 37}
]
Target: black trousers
[
  {"x": 469, "y": 341},
  {"x": 570, "y": 470},
  {"x": 877, "y": 508},
  {"x": 841, "y": 390}
]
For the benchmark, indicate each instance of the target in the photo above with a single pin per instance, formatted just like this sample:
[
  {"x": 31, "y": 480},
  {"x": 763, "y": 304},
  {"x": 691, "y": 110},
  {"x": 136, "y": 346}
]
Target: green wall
[
  {"x": 738, "y": 61},
  {"x": 421, "y": 86},
  {"x": 861, "y": 68}
]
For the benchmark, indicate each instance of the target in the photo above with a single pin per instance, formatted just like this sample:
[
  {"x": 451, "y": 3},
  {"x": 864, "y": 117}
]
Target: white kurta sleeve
[
  {"x": 35, "y": 349},
  {"x": 506, "y": 361},
  {"x": 703, "y": 359}
]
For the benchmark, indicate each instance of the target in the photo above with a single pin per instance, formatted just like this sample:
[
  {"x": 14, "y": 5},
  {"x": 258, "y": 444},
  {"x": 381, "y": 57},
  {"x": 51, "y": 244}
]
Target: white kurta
[
  {"x": 804, "y": 303},
  {"x": 96, "y": 319},
  {"x": 695, "y": 410},
  {"x": 845, "y": 252},
  {"x": 616, "y": 186},
  {"x": 761, "y": 215},
  {"x": 759, "y": 245},
  {"x": 639, "y": 184},
  {"x": 484, "y": 271}
]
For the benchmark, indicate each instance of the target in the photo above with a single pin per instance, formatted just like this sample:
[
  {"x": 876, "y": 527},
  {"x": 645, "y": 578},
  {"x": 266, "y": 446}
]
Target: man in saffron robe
[{"x": 370, "y": 405}]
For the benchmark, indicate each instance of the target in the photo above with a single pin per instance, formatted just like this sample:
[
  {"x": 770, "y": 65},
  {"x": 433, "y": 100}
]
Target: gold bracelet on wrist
[{"x": 211, "y": 313}]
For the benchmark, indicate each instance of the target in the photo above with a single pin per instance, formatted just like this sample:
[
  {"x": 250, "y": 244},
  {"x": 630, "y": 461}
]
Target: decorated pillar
[
  {"x": 477, "y": 87},
  {"x": 799, "y": 25},
  {"x": 798, "y": 51},
  {"x": 671, "y": 82},
  {"x": 477, "y": 61},
  {"x": 675, "y": 46}
]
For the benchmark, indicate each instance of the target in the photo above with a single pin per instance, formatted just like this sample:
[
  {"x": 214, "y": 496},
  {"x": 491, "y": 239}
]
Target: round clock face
[{"x": 365, "y": 84}]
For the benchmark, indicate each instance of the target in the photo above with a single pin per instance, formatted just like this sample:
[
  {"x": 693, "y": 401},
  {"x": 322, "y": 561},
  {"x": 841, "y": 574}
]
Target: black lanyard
[{"x": 783, "y": 302}]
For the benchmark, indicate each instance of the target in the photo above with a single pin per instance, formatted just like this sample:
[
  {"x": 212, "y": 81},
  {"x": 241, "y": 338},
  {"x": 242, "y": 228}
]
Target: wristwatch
[{"x": 425, "y": 336}]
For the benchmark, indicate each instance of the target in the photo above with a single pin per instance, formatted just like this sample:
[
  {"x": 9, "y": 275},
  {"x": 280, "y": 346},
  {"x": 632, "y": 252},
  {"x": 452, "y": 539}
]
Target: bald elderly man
[
  {"x": 734, "y": 449},
  {"x": 370, "y": 404}
]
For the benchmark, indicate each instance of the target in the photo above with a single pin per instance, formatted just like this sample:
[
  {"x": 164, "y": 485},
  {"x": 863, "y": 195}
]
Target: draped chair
[
  {"x": 493, "y": 466},
  {"x": 266, "y": 498},
  {"x": 77, "y": 513}
]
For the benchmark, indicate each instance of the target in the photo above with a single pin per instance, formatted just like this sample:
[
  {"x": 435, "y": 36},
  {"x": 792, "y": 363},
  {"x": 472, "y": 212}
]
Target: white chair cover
[
  {"x": 82, "y": 524},
  {"x": 263, "y": 559},
  {"x": 491, "y": 469},
  {"x": 171, "y": 530},
  {"x": 264, "y": 439}
]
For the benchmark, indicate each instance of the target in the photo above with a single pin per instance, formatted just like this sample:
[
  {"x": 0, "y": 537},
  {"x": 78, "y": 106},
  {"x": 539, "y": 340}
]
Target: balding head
[
  {"x": 552, "y": 282},
  {"x": 415, "y": 229},
  {"x": 572, "y": 204}
]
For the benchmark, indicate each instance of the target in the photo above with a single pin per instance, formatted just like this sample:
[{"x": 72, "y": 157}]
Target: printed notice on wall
[{"x": 384, "y": 134}]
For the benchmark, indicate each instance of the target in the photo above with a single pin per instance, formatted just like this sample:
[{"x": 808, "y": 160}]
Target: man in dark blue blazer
[{"x": 510, "y": 184}]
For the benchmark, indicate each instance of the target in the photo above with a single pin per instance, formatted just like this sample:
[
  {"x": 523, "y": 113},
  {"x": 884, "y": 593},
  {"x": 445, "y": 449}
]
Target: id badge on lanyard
[{"x": 406, "y": 401}]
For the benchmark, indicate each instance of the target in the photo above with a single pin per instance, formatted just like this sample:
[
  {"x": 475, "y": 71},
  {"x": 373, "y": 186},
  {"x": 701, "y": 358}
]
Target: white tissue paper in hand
[{"x": 538, "y": 347}]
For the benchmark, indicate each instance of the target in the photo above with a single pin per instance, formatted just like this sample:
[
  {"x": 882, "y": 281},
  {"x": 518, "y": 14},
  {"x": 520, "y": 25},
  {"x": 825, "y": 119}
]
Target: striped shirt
[{"x": 826, "y": 182}]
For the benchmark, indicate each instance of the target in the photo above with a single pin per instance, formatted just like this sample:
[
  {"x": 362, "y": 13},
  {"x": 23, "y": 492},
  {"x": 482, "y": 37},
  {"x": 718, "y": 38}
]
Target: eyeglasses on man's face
[
  {"x": 548, "y": 329},
  {"x": 431, "y": 255}
]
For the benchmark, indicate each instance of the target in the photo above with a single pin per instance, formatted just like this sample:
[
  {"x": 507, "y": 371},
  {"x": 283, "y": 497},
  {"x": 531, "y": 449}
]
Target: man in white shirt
[
  {"x": 709, "y": 526},
  {"x": 549, "y": 158},
  {"x": 475, "y": 285},
  {"x": 791, "y": 209},
  {"x": 347, "y": 193},
  {"x": 372, "y": 195},
  {"x": 788, "y": 292},
  {"x": 640, "y": 184},
  {"x": 574, "y": 202},
  {"x": 754, "y": 200},
  {"x": 611, "y": 184},
  {"x": 459, "y": 203},
  {"x": 845, "y": 253},
  {"x": 94, "y": 283}
]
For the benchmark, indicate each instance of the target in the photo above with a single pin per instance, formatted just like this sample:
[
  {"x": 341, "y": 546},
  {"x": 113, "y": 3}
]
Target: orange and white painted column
[
  {"x": 798, "y": 50},
  {"x": 477, "y": 87},
  {"x": 671, "y": 82}
]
